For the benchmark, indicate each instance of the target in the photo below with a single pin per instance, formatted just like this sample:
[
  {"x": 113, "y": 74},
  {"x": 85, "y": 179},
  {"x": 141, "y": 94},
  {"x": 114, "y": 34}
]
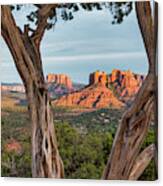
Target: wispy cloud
[
  {"x": 101, "y": 45},
  {"x": 105, "y": 56}
]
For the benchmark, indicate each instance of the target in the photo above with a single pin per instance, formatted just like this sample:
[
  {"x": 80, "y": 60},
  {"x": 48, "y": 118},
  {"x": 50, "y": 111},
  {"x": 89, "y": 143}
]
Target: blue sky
[{"x": 87, "y": 43}]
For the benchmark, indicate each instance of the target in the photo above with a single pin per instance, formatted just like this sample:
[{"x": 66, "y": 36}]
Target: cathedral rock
[
  {"x": 113, "y": 90},
  {"x": 125, "y": 83}
]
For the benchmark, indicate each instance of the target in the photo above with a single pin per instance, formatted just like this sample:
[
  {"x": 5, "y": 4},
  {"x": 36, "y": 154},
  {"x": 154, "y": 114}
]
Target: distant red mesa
[{"x": 60, "y": 79}]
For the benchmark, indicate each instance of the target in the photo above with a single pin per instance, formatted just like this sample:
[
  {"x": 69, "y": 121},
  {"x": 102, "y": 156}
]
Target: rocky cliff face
[
  {"x": 93, "y": 96},
  {"x": 60, "y": 79},
  {"x": 125, "y": 84},
  {"x": 113, "y": 90},
  {"x": 98, "y": 78}
]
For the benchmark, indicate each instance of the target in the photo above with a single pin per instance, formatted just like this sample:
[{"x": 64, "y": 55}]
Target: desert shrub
[
  {"x": 83, "y": 155},
  {"x": 16, "y": 164},
  {"x": 15, "y": 126}
]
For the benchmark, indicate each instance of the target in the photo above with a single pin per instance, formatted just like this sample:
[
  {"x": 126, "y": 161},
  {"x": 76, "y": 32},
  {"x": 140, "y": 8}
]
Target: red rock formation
[
  {"x": 104, "y": 91},
  {"x": 125, "y": 83},
  {"x": 60, "y": 79},
  {"x": 95, "y": 95},
  {"x": 98, "y": 77}
]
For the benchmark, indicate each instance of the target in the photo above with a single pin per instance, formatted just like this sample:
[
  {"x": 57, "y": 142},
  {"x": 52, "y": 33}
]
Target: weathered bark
[
  {"x": 135, "y": 122},
  {"x": 45, "y": 155},
  {"x": 142, "y": 162},
  {"x": 46, "y": 161},
  {"x": 131, "y": 133}
]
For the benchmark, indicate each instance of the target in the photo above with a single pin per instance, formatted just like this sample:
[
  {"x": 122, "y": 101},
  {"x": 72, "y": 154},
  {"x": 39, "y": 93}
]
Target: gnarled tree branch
[
  {"x": 135, "y": 122},
  {"x": 147, "y": 25},
  {"x": 8, "y": 27},
  {"x": 142, "y": 162},
  {"x": 46, "y": 161},
  {"x": 43, "y": 14},
  {"x": 129, "y": 137}
]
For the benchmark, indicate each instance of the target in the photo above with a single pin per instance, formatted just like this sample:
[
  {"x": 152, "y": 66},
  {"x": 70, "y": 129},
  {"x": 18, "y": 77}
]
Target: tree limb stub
[{"x": 142, "y": 162}]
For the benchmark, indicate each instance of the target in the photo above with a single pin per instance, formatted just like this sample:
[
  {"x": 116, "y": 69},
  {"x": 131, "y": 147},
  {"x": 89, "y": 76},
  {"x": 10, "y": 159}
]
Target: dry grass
[{"x": 10, "y": 104}]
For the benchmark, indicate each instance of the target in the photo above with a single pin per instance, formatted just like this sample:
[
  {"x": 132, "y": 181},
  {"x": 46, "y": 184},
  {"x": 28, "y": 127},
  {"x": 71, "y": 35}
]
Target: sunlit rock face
[
  {"x": 98, "y": 78},
  {"x": 93, "y": 96},
  {"x": 125, "y": 83},
  {"x": 113, "y": 90},
  {"x": 96, "y": 94},
  {"x": 61, "y": 79}
]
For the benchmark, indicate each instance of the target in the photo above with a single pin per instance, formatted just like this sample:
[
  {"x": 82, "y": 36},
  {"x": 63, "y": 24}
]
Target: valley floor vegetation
[{"x": 84, "y": 140}]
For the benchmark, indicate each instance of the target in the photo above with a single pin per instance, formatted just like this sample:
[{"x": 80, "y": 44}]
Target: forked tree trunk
[
  {"x": 45, "y": 155},
  {"x": 135, "y": 122},
  {"x": 46, "y": 161}
]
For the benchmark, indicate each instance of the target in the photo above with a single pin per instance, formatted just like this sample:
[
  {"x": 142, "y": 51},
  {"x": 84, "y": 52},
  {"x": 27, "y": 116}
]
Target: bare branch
[
  {"x": 18, "y": 45},
  {"x": 142, "y": 162},
  {"x": 146, "y": 23},
  {"x": 39, "y": 5},
  {"x": 43, "y": 14},
  {"x": 8, "y": 27}
]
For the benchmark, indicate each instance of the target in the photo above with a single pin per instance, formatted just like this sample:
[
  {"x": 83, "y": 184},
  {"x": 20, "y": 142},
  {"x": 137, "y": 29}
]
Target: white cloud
[{"x": 113, "y": 55}]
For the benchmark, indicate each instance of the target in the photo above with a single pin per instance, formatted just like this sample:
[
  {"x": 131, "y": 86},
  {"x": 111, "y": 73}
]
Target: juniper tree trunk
[
  {"x": 46, "y": 161},
  {"x": 135, "y": 122}
]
